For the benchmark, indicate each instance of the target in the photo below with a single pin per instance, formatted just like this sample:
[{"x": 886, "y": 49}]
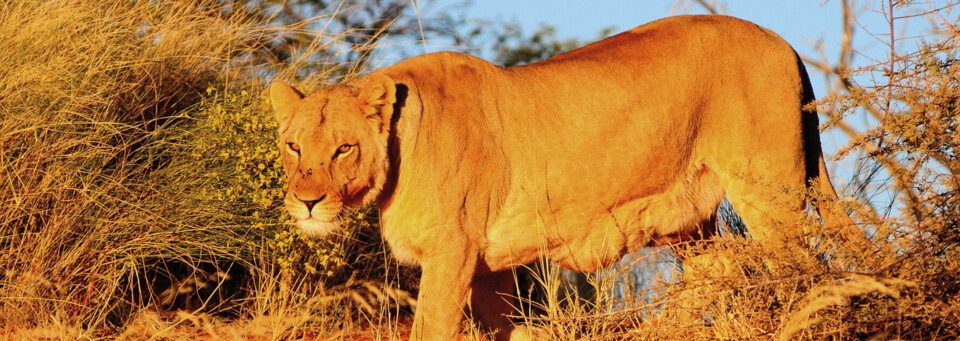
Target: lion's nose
[{"x": 311, "y": 203}]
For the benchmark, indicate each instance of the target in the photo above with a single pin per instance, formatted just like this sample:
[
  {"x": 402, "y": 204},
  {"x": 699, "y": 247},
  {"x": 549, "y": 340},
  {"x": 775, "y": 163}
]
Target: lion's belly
[
  {"x": 584, "y": 241},
  {"x": 584, "y": 237}
]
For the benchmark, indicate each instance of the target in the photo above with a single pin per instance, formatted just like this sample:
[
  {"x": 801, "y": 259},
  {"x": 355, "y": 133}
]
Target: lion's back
[{"x": 693, "y": 38}]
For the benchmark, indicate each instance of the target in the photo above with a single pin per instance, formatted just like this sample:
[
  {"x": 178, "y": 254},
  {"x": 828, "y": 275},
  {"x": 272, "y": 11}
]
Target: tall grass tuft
[{"x": 87, "y": 88}]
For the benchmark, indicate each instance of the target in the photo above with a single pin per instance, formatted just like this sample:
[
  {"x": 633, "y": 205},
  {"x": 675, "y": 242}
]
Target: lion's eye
[
  {"x": 294, "y": 147},
  {"x": 343, "y": 150}
]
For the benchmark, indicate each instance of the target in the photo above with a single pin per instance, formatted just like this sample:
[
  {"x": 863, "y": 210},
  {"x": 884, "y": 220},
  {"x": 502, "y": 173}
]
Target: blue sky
[
  {"x": 799, "y": 21},
  {"x": 795, "y": 20}
]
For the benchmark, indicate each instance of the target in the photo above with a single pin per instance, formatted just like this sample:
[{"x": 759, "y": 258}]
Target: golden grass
[{"x": 84, "y": 90}]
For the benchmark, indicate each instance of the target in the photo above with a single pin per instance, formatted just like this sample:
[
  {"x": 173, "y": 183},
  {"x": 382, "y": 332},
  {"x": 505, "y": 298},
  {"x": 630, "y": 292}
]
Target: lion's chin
[{"x": 317, "y": 228}]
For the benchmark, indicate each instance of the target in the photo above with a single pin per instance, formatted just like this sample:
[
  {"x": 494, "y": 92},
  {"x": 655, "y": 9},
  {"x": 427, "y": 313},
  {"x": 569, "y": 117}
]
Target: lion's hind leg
[
  {"x": 770, "y": 199},
  {"x": 699, "y": 268},
  {"x": 699, "y": 198},
  {"x": 770, "y": 206}
]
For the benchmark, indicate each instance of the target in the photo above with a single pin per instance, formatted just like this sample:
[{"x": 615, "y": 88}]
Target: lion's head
[{"x": 334, "y": 147}]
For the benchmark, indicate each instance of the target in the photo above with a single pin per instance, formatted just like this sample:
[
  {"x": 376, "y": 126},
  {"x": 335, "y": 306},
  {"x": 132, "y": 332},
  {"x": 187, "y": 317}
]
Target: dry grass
[
  {"x": 83, "y": 90},
  {"x": 105, "y": 232}
]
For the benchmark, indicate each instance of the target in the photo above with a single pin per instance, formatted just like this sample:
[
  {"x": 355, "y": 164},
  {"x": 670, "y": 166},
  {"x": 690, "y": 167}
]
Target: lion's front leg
[{"x": 444, "y": 290}]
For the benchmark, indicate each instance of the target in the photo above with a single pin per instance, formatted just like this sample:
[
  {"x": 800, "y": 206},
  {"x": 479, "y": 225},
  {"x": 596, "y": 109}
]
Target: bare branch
[{"x": 711, "y": 6}]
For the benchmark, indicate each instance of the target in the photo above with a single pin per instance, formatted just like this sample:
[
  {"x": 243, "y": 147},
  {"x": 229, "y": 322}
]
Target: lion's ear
[
  {"x": 283, "y": 96},
  {"x": 378, "y": 96}
]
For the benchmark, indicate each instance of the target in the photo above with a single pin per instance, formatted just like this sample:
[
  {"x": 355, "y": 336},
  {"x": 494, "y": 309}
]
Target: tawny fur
[{"x": 629, "y": 142}]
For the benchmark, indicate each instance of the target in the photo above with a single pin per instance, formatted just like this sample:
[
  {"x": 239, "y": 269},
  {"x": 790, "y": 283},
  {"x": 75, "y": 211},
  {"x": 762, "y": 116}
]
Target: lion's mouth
[
  {"x": 314, "y": 227},
  {"x": 317, "y": 220}
]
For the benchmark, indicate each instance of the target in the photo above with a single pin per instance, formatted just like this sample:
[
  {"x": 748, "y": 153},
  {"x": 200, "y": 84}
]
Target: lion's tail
[
  {"x": 835, "y": 218},
  {"x": 830, "y": 218},
  {"x": 817, "y": 169}
]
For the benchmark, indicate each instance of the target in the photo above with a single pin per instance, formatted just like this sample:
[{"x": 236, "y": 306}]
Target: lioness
[{"x": 629, "y": 142}]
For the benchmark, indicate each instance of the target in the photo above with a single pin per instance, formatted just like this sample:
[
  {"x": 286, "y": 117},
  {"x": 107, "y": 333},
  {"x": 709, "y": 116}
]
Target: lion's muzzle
[{"x": 315, "y": 217}]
